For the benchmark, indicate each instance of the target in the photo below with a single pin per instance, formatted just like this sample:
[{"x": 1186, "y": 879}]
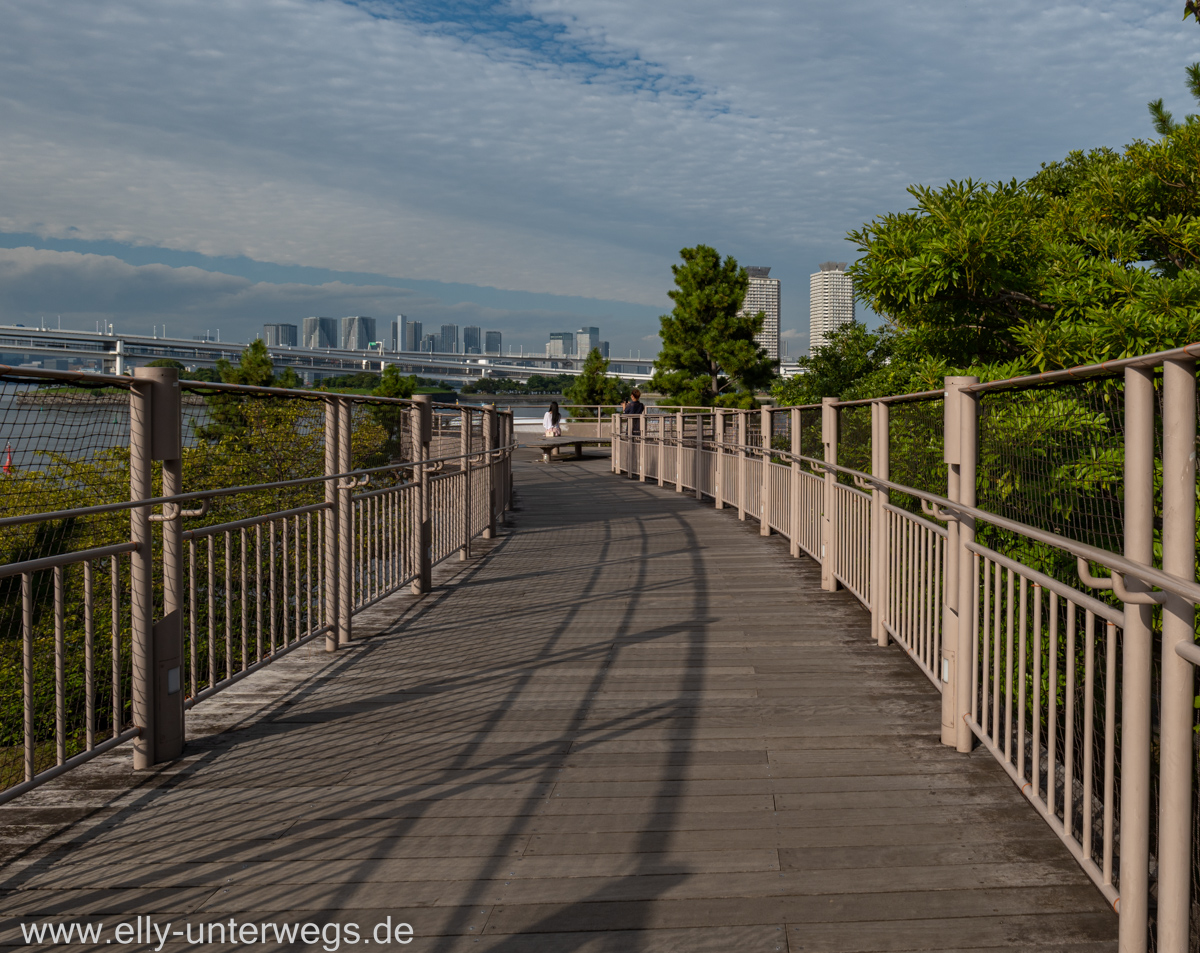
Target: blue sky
[{"x": 528, "y": 165}]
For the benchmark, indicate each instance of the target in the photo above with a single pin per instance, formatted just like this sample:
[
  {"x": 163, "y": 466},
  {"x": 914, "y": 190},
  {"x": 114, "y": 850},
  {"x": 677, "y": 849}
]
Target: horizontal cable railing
[
  {"x": 164, "y": 539},
  {"x": 970, "y": 523}
]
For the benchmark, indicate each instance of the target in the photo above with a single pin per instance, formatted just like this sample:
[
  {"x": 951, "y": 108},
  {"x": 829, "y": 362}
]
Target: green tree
[
  {"x": 709, "y": 355},
  {"x": 1094, "y": 257},
  {"x": 227, "y": 412},
  {"x": 205, "y": 374},
  {"x": 850, "y": 355},
  {"x": 593, "y": 386}
]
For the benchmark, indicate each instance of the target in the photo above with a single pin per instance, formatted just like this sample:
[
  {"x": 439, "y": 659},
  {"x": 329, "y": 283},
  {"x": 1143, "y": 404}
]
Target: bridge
[
  {"x": 67, "y": 350},
  {"x": 770, "y": 680}
]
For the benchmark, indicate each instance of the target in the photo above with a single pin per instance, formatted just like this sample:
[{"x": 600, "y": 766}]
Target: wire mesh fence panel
[
  {"x": 64, "y": 637},
  {"x": 62, "y": 447},
  {"x": 754, "y": 430},
  {"x": 854, "y": 440},
  {"x": 916, "y": 447},
  {"x": 1053, "y": 458},
  {"x": 811, "y": 444},
  {"x": 236, "y": 440}
]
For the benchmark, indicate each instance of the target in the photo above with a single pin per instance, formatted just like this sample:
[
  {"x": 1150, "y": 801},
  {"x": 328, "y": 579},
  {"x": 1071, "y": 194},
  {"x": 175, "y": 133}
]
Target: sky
[{"x": 523, "y": 165}]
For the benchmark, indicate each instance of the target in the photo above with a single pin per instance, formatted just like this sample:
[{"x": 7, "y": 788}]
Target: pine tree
[
  {"x": 709, "y": 355},
  {"x": 593, "y": 386}
]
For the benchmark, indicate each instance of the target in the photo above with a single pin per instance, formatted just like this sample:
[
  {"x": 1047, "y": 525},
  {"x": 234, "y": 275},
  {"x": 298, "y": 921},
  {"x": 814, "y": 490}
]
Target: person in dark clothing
[{"x": 634, "y": 406}]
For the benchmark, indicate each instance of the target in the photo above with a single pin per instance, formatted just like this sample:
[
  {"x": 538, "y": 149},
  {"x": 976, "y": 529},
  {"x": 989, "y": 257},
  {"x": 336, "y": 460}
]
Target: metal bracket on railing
[
  {"x": 355, "y": 484},
  {"x": 172, "y": 511},
  {"x": 1116, "y": 582},
  {"x": 934, "y": 511},
  {"x": 863, "y": 484}
]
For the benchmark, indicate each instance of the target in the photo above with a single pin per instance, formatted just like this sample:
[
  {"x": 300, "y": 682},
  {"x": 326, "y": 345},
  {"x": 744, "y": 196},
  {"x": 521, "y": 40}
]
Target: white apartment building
[
  {"x": 763, "y": 295},
  {"x": 831, "y": 302}
]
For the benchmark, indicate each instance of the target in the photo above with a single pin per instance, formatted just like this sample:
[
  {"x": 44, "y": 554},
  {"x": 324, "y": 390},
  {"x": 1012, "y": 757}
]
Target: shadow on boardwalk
[{"x": 632, "y": 725}]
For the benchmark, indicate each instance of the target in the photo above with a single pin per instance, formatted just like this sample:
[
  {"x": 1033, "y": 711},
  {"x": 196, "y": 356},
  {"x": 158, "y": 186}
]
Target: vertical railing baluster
[
  {"x": 1022, "y": 670},
  {"x": 1110, "y": 745},
  {"x": 60, "y": 668},
  {"x": 27, "y": 695},
  {"x": 281, "y": 608},
  {"x": 272, "y": 604},
  {"x": 118, "y": 703},
  {"x": 193, "y": 649},
  {"x": 1089, "y": 712},
  {"x": 89, "y": 654},
  {"x": 228, "y": 604},
  {"x": 245, "y": 602},
  {"x": 1036, "y": 745},
  {"x": 1052, "y": 708},
  {"x": 1069, "y": 730},
  {"x": 212, "y": 615}
]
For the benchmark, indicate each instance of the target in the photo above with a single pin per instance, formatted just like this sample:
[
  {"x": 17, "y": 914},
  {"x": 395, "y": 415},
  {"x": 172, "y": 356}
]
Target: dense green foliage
[
  {"x": 536, "y": 384},
  {"x": 1093, "y": 257},
  {"x": 709, "y": 355}
]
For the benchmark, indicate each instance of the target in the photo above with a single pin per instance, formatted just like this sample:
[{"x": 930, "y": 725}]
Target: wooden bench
[{"x": 548, "y": 445}]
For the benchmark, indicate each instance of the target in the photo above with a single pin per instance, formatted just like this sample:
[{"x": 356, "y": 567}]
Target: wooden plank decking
[{"x": 632, "y": 725}]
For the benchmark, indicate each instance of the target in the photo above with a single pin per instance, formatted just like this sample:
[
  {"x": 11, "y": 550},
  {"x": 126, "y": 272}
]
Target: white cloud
[
  {"x": 83, "y": 289},
  {"x": 321, "y": 133}
]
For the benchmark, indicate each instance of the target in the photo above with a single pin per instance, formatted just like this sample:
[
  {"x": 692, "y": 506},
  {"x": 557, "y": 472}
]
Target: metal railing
[
  {"x": 1081, "y": 686},
  {"x": 254, "y": 520}
]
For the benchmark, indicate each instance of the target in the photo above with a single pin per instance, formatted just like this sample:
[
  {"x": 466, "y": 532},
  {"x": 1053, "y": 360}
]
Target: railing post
[
  {"x": 956, "y": 557},
  {"x": 422, "y": 431},
  {"x": 880, "y": 541},
  {"x": 698, "y": 460},
  {"x": 155, "y": 433},
  {"x": 961, "y": 441},
  {"x": 1177, "y": 690},
  {"x": 489, "y": 446},
  {"x": 508, "y": 476},
  {"x": 829, "y": 438},
  {"x": 332, "y": 589},
  {"x": 661, "y": 421},
  {"x": 346, "y": 594},
  {"x": 741, "y": 462},
  {"x": 464, "y": 448},
  {"x": 638, "y": 424},
  {"x": 764, "y": 482},
  {"x": 678, "y": 428},
  {"x": 796, "y": 520},
  {"x": 614, "y": 433},
  {"x": 719, "y": 457},
  {"x": 1136, "y": 665}
]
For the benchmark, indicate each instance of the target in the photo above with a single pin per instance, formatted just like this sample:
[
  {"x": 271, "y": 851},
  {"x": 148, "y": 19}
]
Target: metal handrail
[
  {"x": 1113, "y": 561},
  {"x": 230, "y": 491}
]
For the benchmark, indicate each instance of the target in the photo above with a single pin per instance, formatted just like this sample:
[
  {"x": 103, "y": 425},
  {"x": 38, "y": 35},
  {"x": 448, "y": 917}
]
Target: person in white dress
[{"x": 552, "y": 422}]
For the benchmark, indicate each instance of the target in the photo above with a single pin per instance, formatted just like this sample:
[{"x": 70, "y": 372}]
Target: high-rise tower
[
  {"x": 763, "y": 295},
  {"x": 831, "y": 302},
  {"x": 320, "y": 332},
  {"x": 358, "y": 333}
]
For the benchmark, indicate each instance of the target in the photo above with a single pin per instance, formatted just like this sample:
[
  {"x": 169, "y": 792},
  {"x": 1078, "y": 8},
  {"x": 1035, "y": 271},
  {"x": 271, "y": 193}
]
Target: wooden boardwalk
[{"x": 631, "y": 725}]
